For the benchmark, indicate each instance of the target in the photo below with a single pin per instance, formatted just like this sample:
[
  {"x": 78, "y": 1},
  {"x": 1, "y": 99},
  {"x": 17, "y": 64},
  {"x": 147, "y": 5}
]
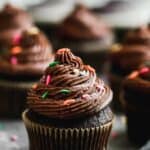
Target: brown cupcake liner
[
  {"x": 13, "y": 98},
  {"x": 43, "y": 137}
]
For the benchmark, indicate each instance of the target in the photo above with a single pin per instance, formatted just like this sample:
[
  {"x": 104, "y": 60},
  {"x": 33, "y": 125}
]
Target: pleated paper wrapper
[{"x": 43, "y": 137}]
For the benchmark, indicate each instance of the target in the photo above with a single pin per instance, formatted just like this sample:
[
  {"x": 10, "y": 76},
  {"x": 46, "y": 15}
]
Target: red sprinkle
[
  {"x": 114, "y": 134},
  {"x": 144, "y": 70},
  {"x": 13, "y": 60},
  {"x": 14, "y": 138},
  {"x": 68, "y": 102},
  {"x": 16, "y": 39},
  {"x": 48, "y": 79}
]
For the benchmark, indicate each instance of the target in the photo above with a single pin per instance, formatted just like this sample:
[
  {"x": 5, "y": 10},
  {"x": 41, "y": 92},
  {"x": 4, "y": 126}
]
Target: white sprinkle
[{"x": 76, "y": 71}]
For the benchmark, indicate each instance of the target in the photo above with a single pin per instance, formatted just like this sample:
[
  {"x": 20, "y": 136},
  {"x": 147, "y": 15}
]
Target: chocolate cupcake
[
  {"x": 20, "y": 66},
  {"x": 69, "y": 107},
  {"x": 88, "y": 35},
  {"x": 12, "y": 22},
  {"x": 126, "y": 57},
  {"x": 135, "y": 98}
]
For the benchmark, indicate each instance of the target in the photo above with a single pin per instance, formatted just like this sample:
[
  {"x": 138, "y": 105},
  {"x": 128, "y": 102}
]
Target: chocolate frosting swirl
[
  {"x": 12, "y": 22},
  {"x": 139, "y": 36},
  {"x": 30, "y": 56},
  {"x": 82, "y": 24},
  {"x": 130, "y": 57},
  {"x": 69, "y": 89},
  {"x": 12, "y": 18}
]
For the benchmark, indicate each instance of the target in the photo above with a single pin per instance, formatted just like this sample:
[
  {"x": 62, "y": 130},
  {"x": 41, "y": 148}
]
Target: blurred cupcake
[
  {"x": 89, "y": 36},
  {"x": 22, "y": 65},
  {"x": 140, "y": 36},
  {"x": 127, "y": 57},
  {"x": 135, "y": 97},
  {"x": 12, "y": 22},
  {"x": 69, "y": 108}
]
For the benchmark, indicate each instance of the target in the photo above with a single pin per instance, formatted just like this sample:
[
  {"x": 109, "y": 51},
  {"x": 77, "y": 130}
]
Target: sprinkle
[
  {"x": 116, "y": 47},
  {"x": 144, "y": 70},
  {"x": 14, "y": 60},
  {"x": 65, "y": 91},
  {"x": 85, "y": 96},
  {"x": 68, "y": 102},
  {"x": 83, "y": 73},
  {"x": 76, "y": 71},
  {"x": 53, "y": 64},
  {"x": 48, "y": 79},
  {"x": 114, "y": 134},
  {"x": 16, "y": 50},
  {"x": 133, "y": 74},
  {"x": 45, "y": 94},
  {"x": 62, "y": 50},
  {"x": 33, "y": 31},
  {"x": 14, "y": 138},
  {"x": 16, "y": 39},
  {"x": 34, "y": 86}
]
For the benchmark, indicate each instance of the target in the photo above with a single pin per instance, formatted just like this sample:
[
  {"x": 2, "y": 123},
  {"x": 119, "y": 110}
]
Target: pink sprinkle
[
  {"x": 48, "y": 79},
  {"x": 16, "y": 39},
  {"x": 14, "y": 138},
  {"x": 14, "y": 60},
  {"x": 85, "y": 96},
  {"x": 144, "y": 70},
  {"x": 114, "y": 134}
]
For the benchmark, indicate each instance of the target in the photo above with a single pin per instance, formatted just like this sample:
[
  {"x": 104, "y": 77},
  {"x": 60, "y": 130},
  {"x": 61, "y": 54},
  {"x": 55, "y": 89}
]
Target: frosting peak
[
  {"x": 82, "y": 24},
  {"x": 69, "y": 89},
  {"x": 12, "y": 18},
  {"x": 66, "y": 57}
]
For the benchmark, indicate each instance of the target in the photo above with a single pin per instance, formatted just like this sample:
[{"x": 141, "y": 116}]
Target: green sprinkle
[
  {"x": 53, "y": 64},
  {"x": 65, "y": 91},
  {"x": 44, "y": 95}
]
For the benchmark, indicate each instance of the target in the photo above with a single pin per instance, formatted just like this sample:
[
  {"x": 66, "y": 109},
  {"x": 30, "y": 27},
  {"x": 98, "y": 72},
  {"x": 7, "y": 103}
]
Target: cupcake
[
  {"x": 68, "y": 107},
  {"x": 135, "y": 98},
  {"x": 140, "y": 36},
  {"x": 20, "y": 67},
  {"x": 88, "y": 35},
  {"x": 128, "y": 56},
  {"x": 12, "y": 21}
]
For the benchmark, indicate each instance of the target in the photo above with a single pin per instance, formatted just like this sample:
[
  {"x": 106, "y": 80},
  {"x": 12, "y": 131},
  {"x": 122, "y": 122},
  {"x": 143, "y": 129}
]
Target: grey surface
[{"x": 10, "y": 129}]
